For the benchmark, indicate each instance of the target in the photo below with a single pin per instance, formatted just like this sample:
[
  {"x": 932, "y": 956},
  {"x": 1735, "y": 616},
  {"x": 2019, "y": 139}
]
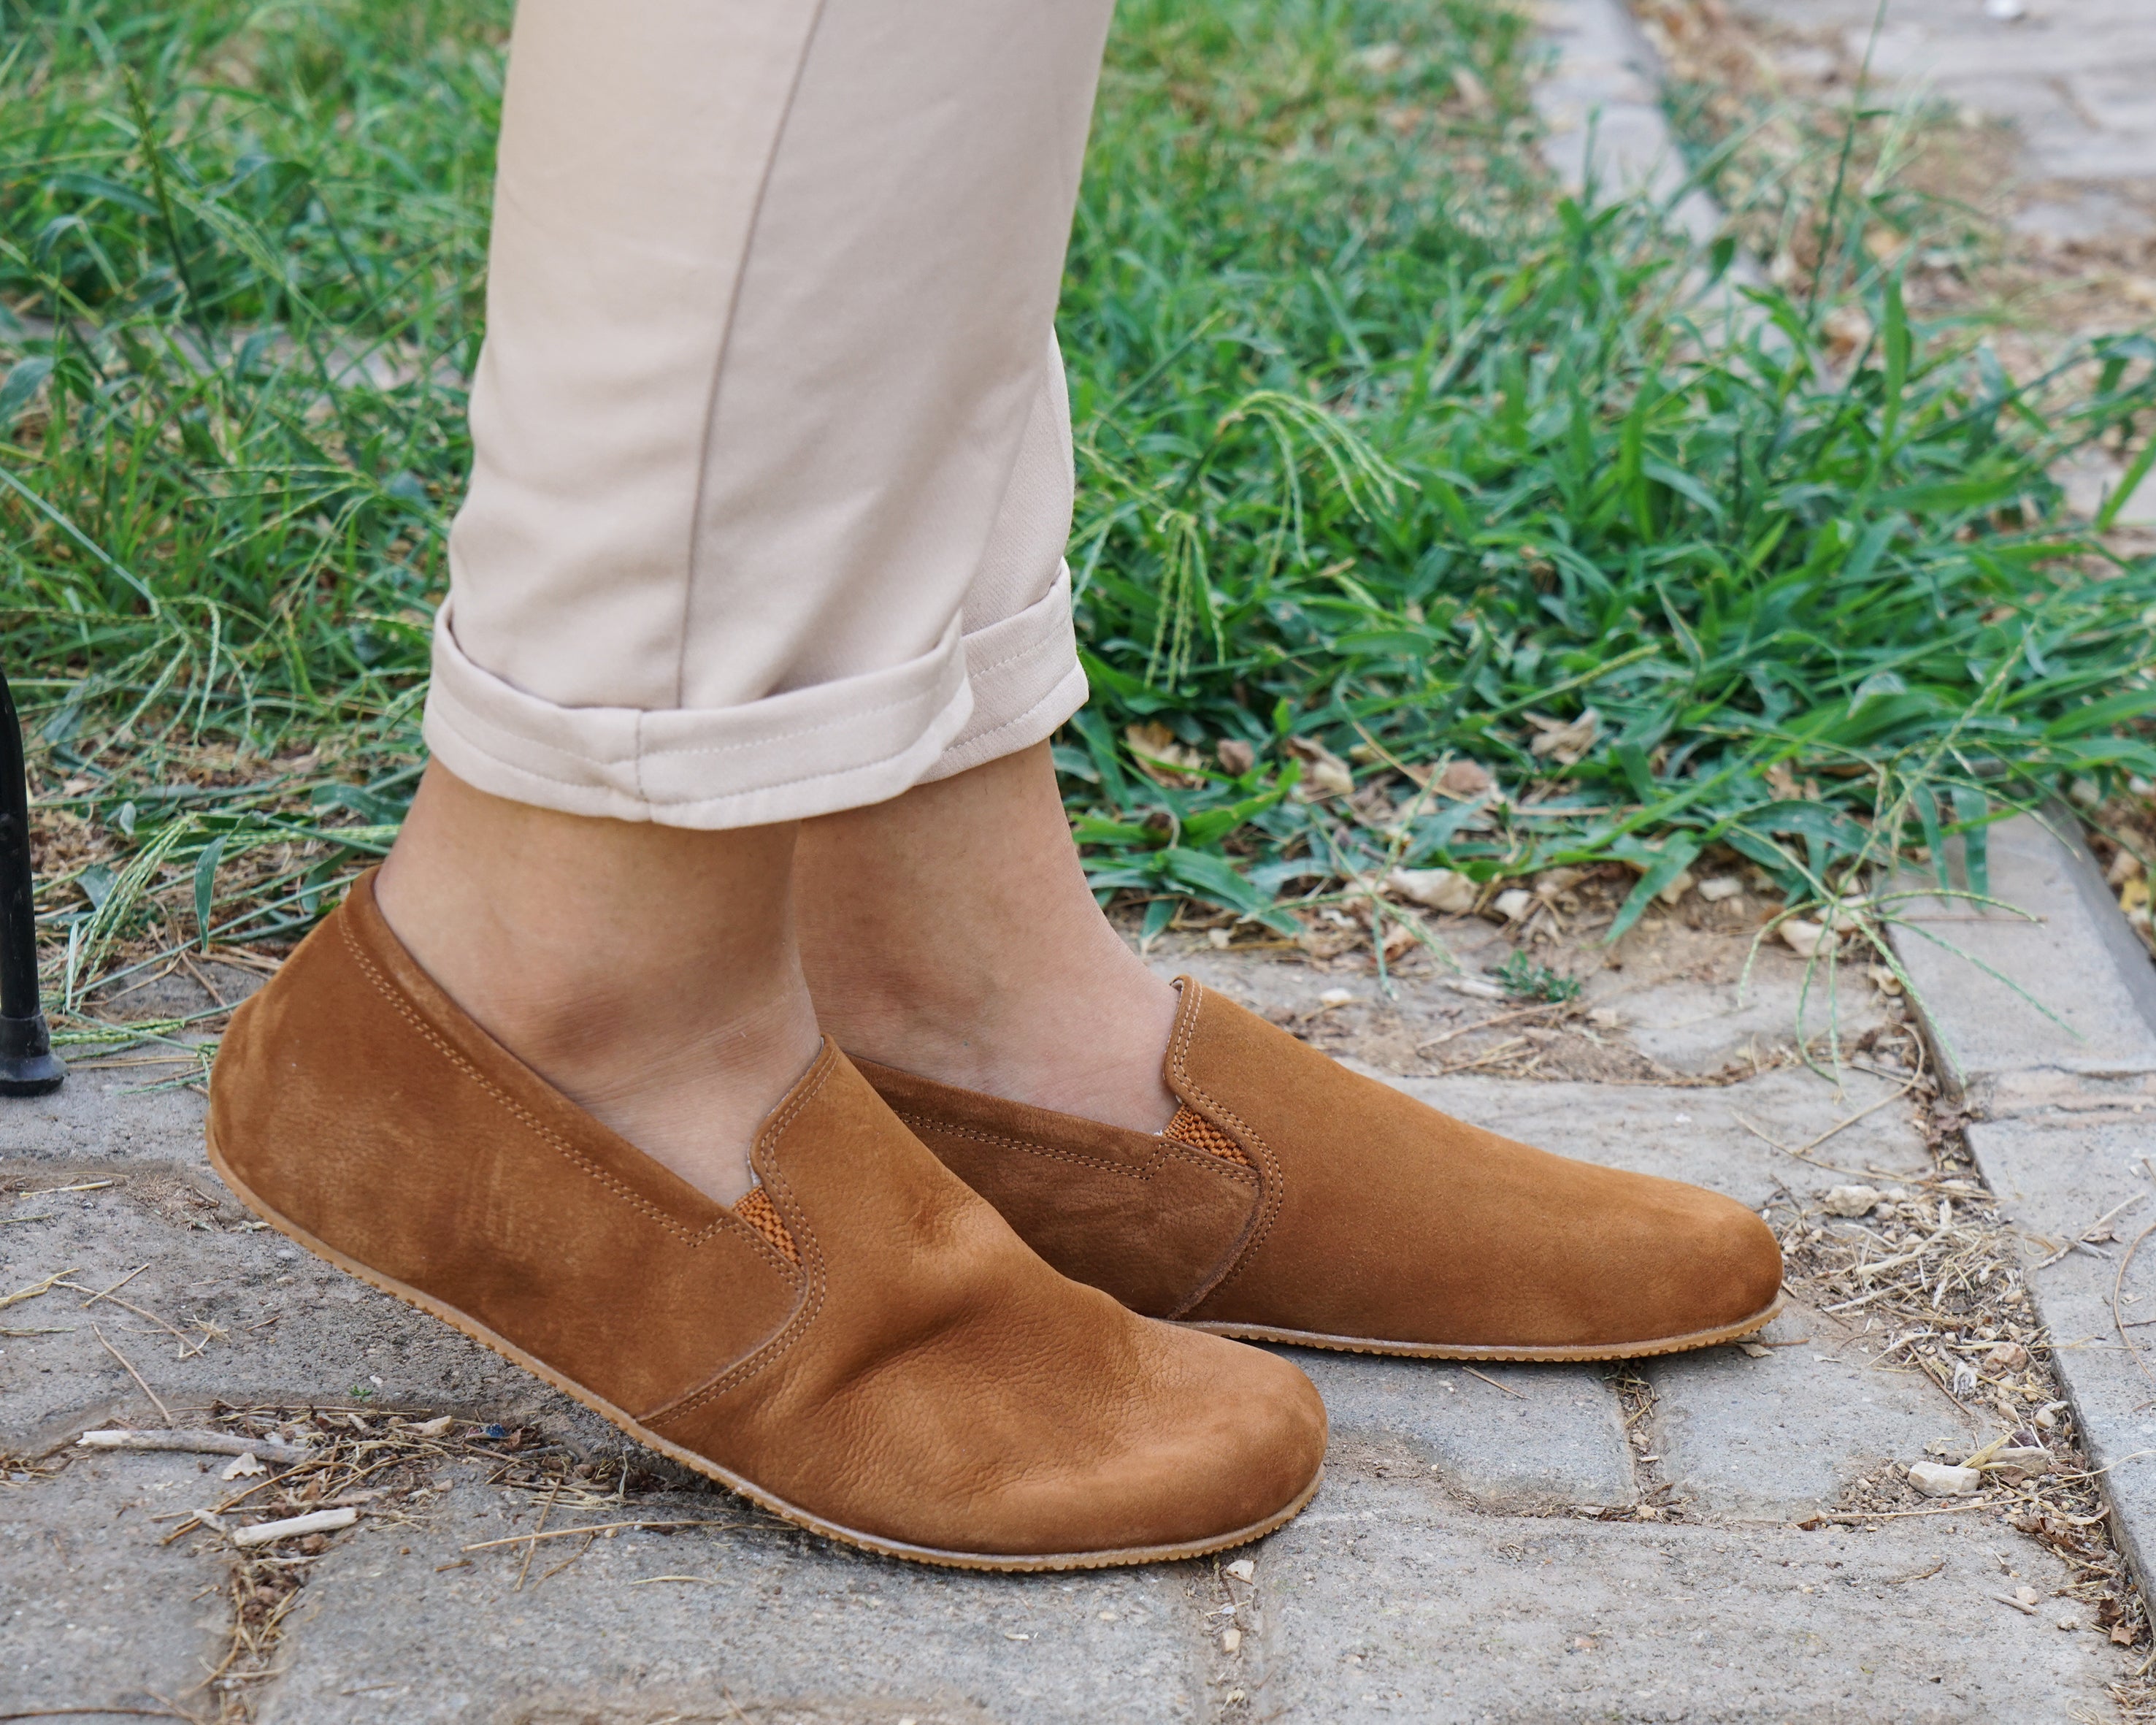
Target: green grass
[{"x": 1386, "y": 453}]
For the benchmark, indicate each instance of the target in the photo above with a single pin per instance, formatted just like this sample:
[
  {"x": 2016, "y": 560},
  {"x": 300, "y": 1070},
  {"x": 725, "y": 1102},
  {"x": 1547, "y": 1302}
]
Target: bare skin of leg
[
  {"x": 949, "y": 932},
  {"x": 648, "y": 972}
]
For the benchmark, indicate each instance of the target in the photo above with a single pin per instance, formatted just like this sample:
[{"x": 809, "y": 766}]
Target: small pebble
[
  {"x": 1936, "y": 1479},
  {"x": 1851, "y": 1200},
  {"x": 1807, "y": 940},
  {"x": 1442, "y": 889}
]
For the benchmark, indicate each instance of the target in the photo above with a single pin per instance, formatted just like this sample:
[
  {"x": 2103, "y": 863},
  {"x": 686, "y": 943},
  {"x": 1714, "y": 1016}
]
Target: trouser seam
[{"x": 726, "y": 346}]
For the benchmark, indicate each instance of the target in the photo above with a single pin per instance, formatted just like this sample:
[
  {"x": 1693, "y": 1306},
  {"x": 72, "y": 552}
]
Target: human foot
[
  {"x": 646, "y": 972},
  {"x": 950, "y": 932},
  {"x": 861, "y": 1345},
  {"x": 1291, "y": 1200}
]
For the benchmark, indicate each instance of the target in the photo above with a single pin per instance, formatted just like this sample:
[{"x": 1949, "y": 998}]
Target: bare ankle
[
  {"x": 951, "y": 933},
  {"x": 649, "y": 974}
]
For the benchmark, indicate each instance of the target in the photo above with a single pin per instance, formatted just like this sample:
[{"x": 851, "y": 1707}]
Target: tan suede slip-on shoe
[
  {"x": 1292, "y": 1199},
  {"x": 861, "y": 1345}
]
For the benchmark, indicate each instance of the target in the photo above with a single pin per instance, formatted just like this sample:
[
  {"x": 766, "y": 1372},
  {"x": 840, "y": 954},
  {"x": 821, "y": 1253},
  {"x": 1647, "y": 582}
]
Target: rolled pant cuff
[
  {"x": 788, "y": 757},
  {"x": 1026, "y": 681}
]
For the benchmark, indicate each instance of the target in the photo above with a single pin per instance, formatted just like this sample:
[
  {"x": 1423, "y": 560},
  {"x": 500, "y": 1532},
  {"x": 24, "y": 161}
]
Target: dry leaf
[
  {"x": 241, "y": 1466},
  {"x": 1847, "y": 330},
  {"x": 1324, "y": 772},
  {"x": 1160, "y": 757},
  {"x": 1514, "y": 903},
  {"x": 1564, "y": 743},
  {"x": 1465, "y": 779},
  {"x": 1717, "y": 887},
  {"x": 1235, "y": 756},
  {"x": 1243, "y": 1568}
]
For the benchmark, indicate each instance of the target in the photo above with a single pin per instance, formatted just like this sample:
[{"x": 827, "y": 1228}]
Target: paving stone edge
[{"x": 2059, "y": 1140}]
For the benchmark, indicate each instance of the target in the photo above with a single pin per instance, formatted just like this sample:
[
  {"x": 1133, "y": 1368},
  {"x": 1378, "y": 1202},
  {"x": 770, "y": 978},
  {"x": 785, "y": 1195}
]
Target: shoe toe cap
[
  {"x": 1238, "y": 1441},
  {"x": 1730, "y": 1266}
]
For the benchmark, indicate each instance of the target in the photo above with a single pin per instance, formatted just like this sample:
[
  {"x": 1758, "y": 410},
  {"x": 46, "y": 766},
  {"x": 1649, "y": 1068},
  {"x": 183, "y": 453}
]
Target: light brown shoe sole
[
  {"x": 733, "y": 1482},
  {"x": 1458, "y": 1351}
]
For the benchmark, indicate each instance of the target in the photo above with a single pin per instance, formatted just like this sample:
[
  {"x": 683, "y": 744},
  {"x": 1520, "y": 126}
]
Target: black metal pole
[{"x": 26, "y": 1065}]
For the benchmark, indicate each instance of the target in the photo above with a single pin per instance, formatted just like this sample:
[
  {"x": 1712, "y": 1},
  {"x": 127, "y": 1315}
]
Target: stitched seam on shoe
[
  {"x": 532, "y": 1123},
  {"x": 1144, "y": 1171},
  {"x": 1270, "y": 1211},
  {"x": 804, "y": 1237}
]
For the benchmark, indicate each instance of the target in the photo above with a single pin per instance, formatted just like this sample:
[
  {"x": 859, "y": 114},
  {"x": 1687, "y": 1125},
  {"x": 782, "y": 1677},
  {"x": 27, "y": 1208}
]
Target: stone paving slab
[
  {"x": 2055, "y": 1178},
  {"x": 776, "y": 1622},
  {"x": 1697, "y": 1027},
  {"x": 1520, "y": 1438},
  {"x": 92, "y": 1611},
  {"x": 1600, "y": 103},
  {"x": 1781, "y": 1437},
  {"x": 1978, "y": 968},
  {"x": 290, "y": 1328},
  {"x": 102, "y": 1115},
  {"x": 1383, "y": 1602},
  {"x": 2078, "y": 77},
  {"x": 2065, "y": 1139}
]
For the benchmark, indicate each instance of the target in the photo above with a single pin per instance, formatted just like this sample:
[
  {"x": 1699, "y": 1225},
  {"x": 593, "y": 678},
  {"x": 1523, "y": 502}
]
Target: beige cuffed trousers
[{"x": 772, "y": 467}]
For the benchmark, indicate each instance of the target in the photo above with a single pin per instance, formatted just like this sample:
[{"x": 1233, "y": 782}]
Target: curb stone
[
  {"x": 1601, "y": 99},
  {"x": 2066, "y": 1126}
]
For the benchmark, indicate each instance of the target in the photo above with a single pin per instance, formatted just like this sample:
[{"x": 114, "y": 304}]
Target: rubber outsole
[
  {"x": 994, "y": 1561},
  {"x": 1547, "y": 1356}
]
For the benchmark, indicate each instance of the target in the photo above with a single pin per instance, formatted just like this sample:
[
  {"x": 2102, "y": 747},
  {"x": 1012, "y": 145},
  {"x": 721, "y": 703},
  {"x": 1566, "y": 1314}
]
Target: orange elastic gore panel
[
  {"x": 755, "y": 1208},
  {"x": 1190, "y": 1127}
]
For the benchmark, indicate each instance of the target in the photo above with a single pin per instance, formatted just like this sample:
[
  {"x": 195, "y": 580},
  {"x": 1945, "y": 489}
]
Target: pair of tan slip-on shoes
[{"x": 955, "y": 1357}]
